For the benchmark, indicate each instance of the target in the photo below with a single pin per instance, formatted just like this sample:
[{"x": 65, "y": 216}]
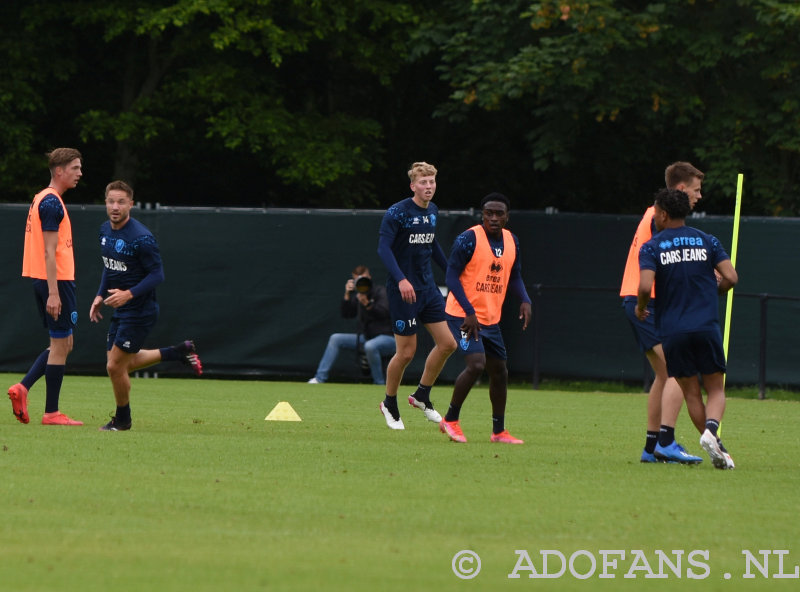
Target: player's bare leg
[
  {"x": 654, "y": 399},
  {"x": 119, "y": 364},
  {"x": 445, "y": 346},
  {"x": 668, "y": 449},
  {"x": 672, "y": 401},
  {"x": 405, "y": 348},
  {"x": 715, "y": 388},
  {"x": 714, "y": 385},
  {"x": 474, "y": 366},
  {"x": 655, "y": 357},
  {"x": 60, "y": 348},
  {"x": 498, "y": 385},
  {"x": 473, "y": 370}
]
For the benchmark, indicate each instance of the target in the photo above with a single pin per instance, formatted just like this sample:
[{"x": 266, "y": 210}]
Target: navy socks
[{"x": 54, "y": 375}]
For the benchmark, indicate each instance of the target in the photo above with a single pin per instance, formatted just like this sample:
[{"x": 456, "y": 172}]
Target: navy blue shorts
[
  {"x": 688, "y": 354},
  {"x": 129, "y": 334},
  {"x": 68, "y": 319},
  {"x": 490, "y": 339},
  {"x": 644, "y": 331},
  {"x": 429, "y": 308}
]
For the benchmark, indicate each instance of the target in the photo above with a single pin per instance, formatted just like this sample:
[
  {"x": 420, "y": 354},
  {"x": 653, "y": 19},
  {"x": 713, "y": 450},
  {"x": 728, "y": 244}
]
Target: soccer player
[
  {"x": 682, "y": 262},
  {"x": 48, "y": 259},
  {"x": 132, "y": 270},
  {"x": 406, "y": 244},
  {"x": 484, "y": 263},
  {"x": 665, "y": 398}
]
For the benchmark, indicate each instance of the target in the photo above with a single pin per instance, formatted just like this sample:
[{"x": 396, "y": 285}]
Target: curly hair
[
  {"x": 496, "y": 197},
  {"x": 674, "y": 202}
]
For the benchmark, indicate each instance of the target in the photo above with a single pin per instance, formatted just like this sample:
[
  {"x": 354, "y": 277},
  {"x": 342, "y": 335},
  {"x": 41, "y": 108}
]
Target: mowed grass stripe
[{"x": 203, "y": 494}]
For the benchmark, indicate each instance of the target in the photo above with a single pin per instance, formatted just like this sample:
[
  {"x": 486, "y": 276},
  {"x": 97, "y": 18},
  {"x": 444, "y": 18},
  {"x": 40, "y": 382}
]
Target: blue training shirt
[
  {"x": 684, "y": 260},
  {"x": 132, "y": 262},
  {"x": 407, "y": 242},
  {"x": 51, "y": 213}
]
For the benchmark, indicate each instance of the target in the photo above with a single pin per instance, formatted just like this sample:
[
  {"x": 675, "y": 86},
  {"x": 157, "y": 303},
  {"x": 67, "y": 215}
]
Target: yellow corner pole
[{"x": 734, "y": 247}]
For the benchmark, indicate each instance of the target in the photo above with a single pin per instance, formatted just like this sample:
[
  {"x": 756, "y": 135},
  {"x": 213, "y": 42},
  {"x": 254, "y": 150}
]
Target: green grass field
[{"x": 203, "y": 494}]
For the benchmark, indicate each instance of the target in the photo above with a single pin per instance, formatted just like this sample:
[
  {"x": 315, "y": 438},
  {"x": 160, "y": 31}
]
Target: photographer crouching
[{"x": 374, "y": 340}]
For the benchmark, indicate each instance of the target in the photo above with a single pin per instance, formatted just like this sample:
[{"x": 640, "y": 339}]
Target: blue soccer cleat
[
  {"x": 675, "y": 453},
  {"x": 648, "y": 457}
]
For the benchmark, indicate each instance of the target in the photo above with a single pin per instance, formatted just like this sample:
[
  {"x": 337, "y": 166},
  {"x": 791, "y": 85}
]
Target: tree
[
  {"x": 610, "y": 92},
  {"x": 29, "y": 65},
  {"x": 285, "y": 86},
  {"x": 572, "y": 104}
]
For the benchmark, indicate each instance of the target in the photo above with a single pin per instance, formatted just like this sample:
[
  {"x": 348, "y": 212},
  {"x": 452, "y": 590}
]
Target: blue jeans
[{"x": 375, "y": 349}]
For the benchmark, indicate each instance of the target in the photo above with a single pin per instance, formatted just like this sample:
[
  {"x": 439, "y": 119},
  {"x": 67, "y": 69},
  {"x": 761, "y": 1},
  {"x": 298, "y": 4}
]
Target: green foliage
[
  {"x": 573, "y": 104},
  {"x": 307, "y": 149},
  {"x": 289, "y": 79},
  {"x": 24, "y": 73},
  {"x": 713, "y": 82}
]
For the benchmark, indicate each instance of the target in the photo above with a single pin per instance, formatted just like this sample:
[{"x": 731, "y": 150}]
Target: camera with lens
[{"x": 363, "y": 284}]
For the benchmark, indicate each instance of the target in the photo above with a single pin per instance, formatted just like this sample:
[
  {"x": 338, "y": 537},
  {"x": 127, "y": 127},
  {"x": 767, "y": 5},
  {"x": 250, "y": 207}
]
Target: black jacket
[{"x": 372, "y": 321}]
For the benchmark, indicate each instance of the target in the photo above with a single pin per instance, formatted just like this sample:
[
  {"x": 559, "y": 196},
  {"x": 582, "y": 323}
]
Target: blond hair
[{"x": 421, "y": 169}]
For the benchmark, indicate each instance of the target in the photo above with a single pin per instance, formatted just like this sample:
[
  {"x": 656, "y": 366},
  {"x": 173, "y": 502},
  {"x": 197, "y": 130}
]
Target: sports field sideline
[{"x": 203, "y": 494}]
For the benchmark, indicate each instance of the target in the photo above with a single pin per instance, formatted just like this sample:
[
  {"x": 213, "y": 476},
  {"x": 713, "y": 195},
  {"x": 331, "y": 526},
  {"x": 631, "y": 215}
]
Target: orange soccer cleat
[
  {"x": 58, "y": 418},
  {"x": 19, "y": 401},
  {"x": 506, "y": 438},
  {"x": 453, "y": 430}
]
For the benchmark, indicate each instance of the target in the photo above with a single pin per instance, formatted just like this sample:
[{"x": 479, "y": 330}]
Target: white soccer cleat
[
  {"x": 709, "y": 443},
  {"x": 726, "y": 454},
  {"x": 430, "y": 413},
  {"x": 394, "y": 424},
  {"x": 729, "y": 460}
]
